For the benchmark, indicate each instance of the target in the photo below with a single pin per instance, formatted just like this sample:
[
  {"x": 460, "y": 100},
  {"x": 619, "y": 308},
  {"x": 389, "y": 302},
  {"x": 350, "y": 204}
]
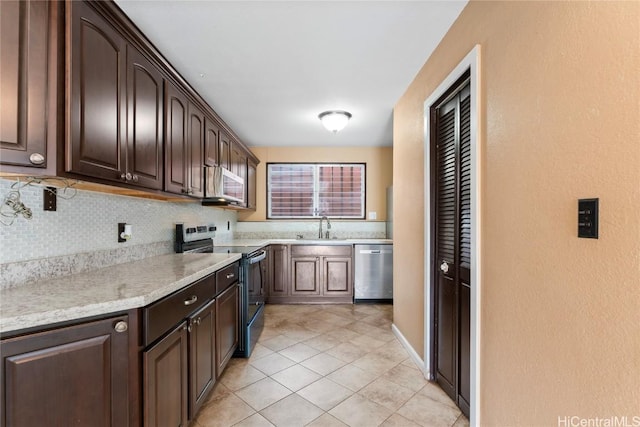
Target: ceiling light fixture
[{"x": 334, "y": 120}]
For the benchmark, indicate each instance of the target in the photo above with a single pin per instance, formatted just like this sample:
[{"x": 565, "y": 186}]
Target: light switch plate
[
  {"x": 373, "y": 215},
  {"x": 588, "y": 218}
]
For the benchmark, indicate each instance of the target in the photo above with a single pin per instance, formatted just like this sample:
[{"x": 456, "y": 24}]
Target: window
[{"x": 311, "y": 190}]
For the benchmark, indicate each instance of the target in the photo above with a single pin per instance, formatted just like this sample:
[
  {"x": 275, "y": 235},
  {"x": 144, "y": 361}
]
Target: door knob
[{"x": 444, "y": 267}]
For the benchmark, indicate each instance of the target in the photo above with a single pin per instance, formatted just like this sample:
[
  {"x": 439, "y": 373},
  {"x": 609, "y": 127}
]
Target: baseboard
[{"x": 412, "y": 353}]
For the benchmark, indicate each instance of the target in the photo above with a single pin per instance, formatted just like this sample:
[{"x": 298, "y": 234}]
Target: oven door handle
[{"x": 262, "y": 255}]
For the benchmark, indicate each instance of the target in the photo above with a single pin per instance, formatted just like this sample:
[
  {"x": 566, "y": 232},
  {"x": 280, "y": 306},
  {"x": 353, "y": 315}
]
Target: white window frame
[{"x": 317, "y": 212}]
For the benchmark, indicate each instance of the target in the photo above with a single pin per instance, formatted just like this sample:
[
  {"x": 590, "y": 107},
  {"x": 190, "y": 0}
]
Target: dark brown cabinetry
[
  {"x": 184, "y": 144},
  {"x": 321, "y": 272},
  {"x": 165, "y": 380},
  {"x": 211, "y": 137},
  {"x": 116, "y": 96},
  {"x": 251, "y": 184},
  {"x": 28, "y": 67},
  {"x": 278, "y": 273},
  {"x": 76, "y": 375},
  {"x": 227, "y": 319},
  {"x": 224, "y": 151},
  {"x": 202, "y": 355}
]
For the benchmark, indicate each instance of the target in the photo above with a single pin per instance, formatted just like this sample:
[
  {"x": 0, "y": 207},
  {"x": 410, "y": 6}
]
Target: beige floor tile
[
  {"x": 323, "y": 364},
  {"x": 352, "y": 377},
  {"x": 393, "y": 351},
  {"x": 224, "y": 412},
  {"x": 367, "y": 342},
  {"x": 296, "y": 377},
  {"x": 409, "y": 363},
  {"x": 343, "y": 334},
  {"x": 347, "y": 352},
  {"x": 462, "y": 421},
  {"x": 293, "y": 411},
  {"x": 383, "y": 334},
  {"x": 396, "y": 420},
  {"x": 377, "y": 320},
  {"x": 238, "y": 376},
  {"x": 434, "y": 392},
  {"x": 328, "y": 317},
  {"x": 325, "y": 394},
  {"x": 299, "y": 352},
  {"x": 260, "y": 351},
  {"x": 323, "y": 342},
  {"x": 272, "y": 363},
  {"x": 375, "y": 363},
  {"x": 358, "y": 411},
  {"x": 255, "y": 420},
  {"x": 407, "y": 377},
  {"x": 299, "y": 333},
  {"x": 326, "y": 420},
  {"x": 388, "y": 394},
  {"x": 263, "y": 393},
  {"x": 279, "y": 342},
  {"x": 219, "y": 391},
  {"x": 428, "y": 412}
]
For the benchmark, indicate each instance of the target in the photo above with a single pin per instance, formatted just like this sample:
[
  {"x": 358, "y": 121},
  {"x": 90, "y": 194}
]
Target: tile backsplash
[
  {"x": 83, "y": 229},
  {"x": 347, "y": 229}
]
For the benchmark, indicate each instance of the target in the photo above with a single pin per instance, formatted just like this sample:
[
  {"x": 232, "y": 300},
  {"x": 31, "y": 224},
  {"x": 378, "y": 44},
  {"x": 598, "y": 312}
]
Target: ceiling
[{"x": 268, "y": 68}]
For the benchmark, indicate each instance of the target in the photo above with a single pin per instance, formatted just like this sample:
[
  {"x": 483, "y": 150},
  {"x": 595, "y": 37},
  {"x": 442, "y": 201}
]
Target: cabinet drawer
[
  {"x": 162, "y": 315},
  {"x": 312, "y": 250},
  {"x": 226, "y": 277}
]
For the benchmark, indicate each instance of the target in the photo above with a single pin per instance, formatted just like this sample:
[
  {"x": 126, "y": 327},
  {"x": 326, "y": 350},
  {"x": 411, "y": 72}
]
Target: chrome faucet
[{"x": 326, "y": 236}]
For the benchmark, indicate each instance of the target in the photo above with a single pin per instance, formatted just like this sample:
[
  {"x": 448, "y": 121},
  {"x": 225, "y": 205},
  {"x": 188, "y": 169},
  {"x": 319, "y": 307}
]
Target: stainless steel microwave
[{"x": 223, "y": 187}]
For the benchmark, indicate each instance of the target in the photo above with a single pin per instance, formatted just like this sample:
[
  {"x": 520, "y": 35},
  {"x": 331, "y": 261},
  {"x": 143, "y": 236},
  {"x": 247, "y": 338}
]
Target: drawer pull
[
  {"x": 231, "y": 276},
  {"x": 191, "y": 300}
]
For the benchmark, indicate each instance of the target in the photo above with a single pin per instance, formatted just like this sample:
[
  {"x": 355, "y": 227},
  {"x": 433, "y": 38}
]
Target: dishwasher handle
[{"x": 375, "y": 251}]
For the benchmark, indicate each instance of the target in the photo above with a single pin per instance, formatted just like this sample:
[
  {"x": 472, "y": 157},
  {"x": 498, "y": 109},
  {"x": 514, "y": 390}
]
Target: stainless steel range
[{"x": 199, "y": 238}]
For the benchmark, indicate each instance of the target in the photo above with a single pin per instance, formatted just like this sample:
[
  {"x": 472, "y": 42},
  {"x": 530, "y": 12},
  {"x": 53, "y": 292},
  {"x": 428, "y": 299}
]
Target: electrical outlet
[{"x": 50, "y": 198}]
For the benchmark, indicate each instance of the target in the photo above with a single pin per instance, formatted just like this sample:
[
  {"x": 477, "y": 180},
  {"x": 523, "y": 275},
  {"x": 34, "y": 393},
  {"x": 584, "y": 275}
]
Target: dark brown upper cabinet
[
  {"x": 116, "y": 105},
  {"x": 176, "y": 145},
  {"x": 211, "y": 137},
  {"x": 184, "y": 144},
  {"x": 195, "y": 160},
  {"x": 144, "y": 121},
  {"x": 24, "y": 81},
  {"x": 224, "y": 151},
  {"x": 252, "y": 166}
]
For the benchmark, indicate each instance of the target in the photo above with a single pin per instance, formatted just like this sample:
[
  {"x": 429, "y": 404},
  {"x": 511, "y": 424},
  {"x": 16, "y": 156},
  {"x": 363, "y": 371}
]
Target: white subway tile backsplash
[{"x": 309, "y": 229}]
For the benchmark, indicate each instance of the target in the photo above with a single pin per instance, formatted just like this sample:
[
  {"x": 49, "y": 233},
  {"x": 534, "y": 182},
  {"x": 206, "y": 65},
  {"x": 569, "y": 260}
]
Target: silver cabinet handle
[
  {"x": 36, "y": 158},
  {"x": 191, "y": 300},
  {"x": 134, "y": 178},
  {"x": 444, "y": 267},
  {"x": 121, "y": 326},
  {"x": 231, "y": 276}
]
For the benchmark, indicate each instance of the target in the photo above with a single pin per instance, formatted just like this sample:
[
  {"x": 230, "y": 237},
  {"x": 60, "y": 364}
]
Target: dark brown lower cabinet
[
  {"x": 227, "y": 315},
  {"x": 277, "y": 272},
  {"x": 202, "y": 356},
  {"x": 71, "y": 376},
  {"x": 165, "y": 380}
]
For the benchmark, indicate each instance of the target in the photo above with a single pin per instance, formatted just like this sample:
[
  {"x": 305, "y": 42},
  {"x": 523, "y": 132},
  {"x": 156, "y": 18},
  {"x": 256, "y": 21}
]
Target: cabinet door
[
  {"x": 211, "y": 137},
  {"x": 224, "y": 151},
  {"x": 336, "y": 276},
  {"x": 176, "y": 148},
  {"x": 202, "y": 356},
  {"x": 98, "y": 67},
  {"x": 24, "y": 64},
  {"x": 165, "y": 381},
  {"x": 144, "y": 121},
  {"x": 305, "y": 275},
  {"x": 195, "y": 160},
  {"x": 251, "y": 184},
  {"x": 227, "y": 322},
  {"x": 76, "y": 375},
  {"x": 278, "y": 277}
]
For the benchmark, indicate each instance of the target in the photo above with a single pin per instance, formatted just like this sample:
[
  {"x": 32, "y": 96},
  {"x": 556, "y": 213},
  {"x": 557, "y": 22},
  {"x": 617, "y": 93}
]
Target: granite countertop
[{"x": 106, "y": 290}]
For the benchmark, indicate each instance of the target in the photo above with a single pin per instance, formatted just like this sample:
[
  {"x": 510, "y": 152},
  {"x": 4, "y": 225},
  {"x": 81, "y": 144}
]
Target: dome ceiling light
[{"x": 334, "y": 120}]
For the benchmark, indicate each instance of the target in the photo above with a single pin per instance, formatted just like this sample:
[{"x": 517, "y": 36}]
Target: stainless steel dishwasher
[{"x": 373, "y": 271}]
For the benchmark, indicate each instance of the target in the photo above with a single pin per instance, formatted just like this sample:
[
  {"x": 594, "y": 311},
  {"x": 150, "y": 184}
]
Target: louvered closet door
[{"x": 453, "y": 245}]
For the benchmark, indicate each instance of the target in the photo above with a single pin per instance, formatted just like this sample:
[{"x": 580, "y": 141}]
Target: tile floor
[{"x": 325, "y": 366}]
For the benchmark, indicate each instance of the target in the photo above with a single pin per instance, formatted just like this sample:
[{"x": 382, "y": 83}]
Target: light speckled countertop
[{"x": 106, "y": 290}]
